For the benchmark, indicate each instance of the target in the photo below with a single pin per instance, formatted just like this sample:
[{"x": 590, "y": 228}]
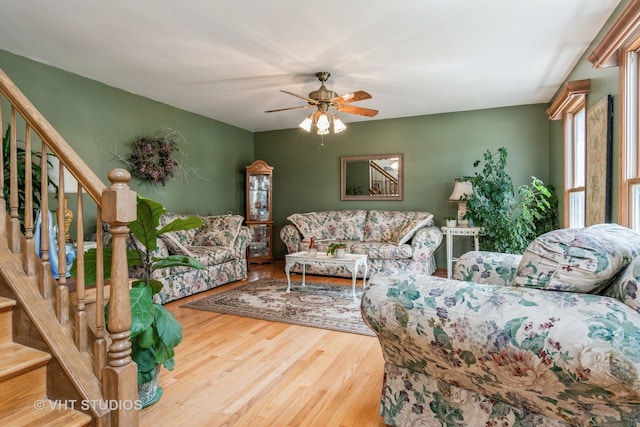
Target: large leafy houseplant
[
  {"x": 36, "y": 174},
  {"x": 510, "y": 221},
  {"x": 155, "y": 331}
]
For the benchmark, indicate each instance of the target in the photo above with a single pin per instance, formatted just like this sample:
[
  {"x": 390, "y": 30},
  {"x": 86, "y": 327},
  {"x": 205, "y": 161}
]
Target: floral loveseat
[
  {"x": 397, "y": 240},
  {"x": 549, "y": 338},
  {"x": 220, "y": 245}
]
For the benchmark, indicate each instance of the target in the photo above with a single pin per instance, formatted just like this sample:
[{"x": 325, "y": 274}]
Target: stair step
[
  {"x": 23, "y": 376},
  {"x": 47, "y": 414},
  {"x": 6, "y": 322}
]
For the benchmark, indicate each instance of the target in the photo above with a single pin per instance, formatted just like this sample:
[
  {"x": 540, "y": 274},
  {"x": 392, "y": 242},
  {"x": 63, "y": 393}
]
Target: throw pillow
[
  {"x": 174, "y": 246},
  {"x": 415, "y": 221},
  {"x": 577, "y": 259},
  {"x": 185, "y": 237},
  {"x": 308, "y": 225},
  {"x": 397, "y": 227},
  {"x": 625, "y": 286},
  {"x": 219, "y": 230}
]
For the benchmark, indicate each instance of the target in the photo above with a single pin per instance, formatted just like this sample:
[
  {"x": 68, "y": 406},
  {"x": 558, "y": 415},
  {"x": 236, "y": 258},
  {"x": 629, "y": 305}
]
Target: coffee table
[{"x": 352, "y": 262}]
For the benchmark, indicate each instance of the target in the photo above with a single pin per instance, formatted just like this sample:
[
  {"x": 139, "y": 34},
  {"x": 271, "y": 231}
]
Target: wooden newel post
[{"x": 120, "y": 377}]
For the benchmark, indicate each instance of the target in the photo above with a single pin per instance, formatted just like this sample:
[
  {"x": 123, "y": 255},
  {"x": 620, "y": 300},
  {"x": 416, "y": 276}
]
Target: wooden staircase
[
  {"x": 23, "y": 383},
  {"x": 59, "y": 365}
]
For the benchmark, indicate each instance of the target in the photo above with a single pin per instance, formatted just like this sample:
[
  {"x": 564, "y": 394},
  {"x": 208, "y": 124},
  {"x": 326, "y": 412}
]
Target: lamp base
[
  {"x": 68, "y": 218},
  {"x": 462, "y": 211}
]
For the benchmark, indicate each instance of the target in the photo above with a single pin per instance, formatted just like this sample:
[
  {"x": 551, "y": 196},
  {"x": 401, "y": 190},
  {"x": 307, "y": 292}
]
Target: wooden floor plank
[{"x": 237, "y": 371}]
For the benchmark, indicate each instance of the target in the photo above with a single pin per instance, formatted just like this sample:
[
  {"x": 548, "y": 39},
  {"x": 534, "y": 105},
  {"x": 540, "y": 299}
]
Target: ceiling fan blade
[
  {"x": 312, "y": 101},
  {"x": 290, "y": 108},
  {"x": 357, "y": 110},
  {"x": 358, "y": 95}
]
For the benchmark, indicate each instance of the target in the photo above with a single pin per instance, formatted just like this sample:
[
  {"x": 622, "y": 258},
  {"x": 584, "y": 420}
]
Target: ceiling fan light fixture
[
  {"x": 323, "y": 124},
  {"x": 323, "y": 99},
  {"x": 306, "y": 123},
  {"x": 338, "y": 125}
]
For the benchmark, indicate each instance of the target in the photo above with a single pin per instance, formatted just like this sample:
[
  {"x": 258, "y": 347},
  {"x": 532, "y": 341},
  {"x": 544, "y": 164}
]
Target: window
[
  {"x": 571, "y": 107},
  {"x": 629, "y": 147},
  {"x": 620, "y": 47},
  {"x": 575, "y": 163}
]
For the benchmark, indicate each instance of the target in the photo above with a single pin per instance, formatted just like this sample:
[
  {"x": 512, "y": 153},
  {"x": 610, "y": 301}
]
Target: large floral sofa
[
  {"x": 220, "y": 245},
  {"x": 547, "y": 338},
  {"x": 398, "y": 240}
]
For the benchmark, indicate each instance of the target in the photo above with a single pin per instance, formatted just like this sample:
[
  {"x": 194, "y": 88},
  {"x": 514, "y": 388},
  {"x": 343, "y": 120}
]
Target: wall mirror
[{"x": 376, "y": 177}]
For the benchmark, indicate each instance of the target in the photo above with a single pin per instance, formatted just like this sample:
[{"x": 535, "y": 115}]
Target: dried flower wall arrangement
[
  {"x": 157, "y": 159},
  {"x": 152, "y": 158}
]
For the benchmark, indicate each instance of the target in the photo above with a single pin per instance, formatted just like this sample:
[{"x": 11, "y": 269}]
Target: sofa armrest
[
  {"x": 242, "y": 242},
  {"x": 425, "y": 242},
  {"x": 517, "y": 343},
  {"x": 491, "y": 268},
  {"x": 291, "y": 237},
  {"x": 626, "y": 284}
]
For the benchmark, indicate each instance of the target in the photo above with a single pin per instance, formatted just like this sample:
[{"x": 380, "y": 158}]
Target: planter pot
[
  {"x": 451, "y": 223},
  {"x": 150, "y": 392},
  {"x": 340, "y": 253}
]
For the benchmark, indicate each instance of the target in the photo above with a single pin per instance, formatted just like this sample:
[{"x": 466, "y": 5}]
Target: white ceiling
[{"x": 227, "y": 60}]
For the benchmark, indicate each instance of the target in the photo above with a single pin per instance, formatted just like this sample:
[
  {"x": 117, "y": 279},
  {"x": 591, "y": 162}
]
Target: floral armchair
[{"x": 550, "y": 337}]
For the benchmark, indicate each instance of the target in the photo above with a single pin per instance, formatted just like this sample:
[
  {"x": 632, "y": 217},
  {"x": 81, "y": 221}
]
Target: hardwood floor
[{"x": 236, "y": 371}]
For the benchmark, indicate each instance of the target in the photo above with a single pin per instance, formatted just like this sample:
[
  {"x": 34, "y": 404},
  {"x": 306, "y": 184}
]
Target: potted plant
[
  {"x": 337, "y": 249},
  {"x": 510, "y": 220},
  {"x": 155, "y": 331},
  {"x": 36, "y": 171},
  {"x": 451, "y": 221}
]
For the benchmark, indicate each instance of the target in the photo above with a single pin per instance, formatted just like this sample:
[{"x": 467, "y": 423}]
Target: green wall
[
  {"x": 437, "y": 149},
  {"x": 97, "y": 120}
]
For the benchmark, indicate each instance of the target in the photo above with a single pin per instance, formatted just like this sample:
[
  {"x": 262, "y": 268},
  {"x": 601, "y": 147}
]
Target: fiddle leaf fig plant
[
  {"x": 155, "y": 331},
  {"x": 510, "y": 220}
]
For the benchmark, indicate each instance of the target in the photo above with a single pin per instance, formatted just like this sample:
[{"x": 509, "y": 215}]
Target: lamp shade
[
  {"x": 70, "y": 183},
  {"x": 460, "y": 190}
]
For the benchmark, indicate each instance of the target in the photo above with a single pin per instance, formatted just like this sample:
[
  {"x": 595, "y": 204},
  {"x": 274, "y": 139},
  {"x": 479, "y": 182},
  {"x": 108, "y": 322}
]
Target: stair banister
[
  {"x": 115, "y": 372},
  {"x": 56, "y": 143},
  {"x": 119, "y": 204}
]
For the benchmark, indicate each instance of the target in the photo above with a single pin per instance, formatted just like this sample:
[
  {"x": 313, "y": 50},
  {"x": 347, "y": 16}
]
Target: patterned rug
[{"x": 318, "y": 305}]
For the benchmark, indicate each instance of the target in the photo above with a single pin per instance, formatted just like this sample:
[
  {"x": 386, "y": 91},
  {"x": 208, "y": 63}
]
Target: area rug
[{"x": 318, "y": 305}]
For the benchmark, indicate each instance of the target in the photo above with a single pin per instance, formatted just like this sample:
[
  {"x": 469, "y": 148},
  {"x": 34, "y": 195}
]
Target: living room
[{"x": 100, "y": 121}]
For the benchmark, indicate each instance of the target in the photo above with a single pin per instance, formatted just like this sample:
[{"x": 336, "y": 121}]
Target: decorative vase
[
  {"x": 313, "y": 251},
  {"x": 150, "y": 392},
  {"x": 340, "y": 253}
]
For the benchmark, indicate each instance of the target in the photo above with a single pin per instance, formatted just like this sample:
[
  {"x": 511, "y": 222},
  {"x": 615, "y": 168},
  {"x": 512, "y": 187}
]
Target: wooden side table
[{"x": 459, "y": 231}]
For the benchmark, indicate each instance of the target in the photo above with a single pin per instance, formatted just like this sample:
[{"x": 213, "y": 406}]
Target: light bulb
[
  {"x": 338, "y": 126},
  {"x": 306, "y": 123},
  {"x": 323, "y": 123},
  {"x": 323, "y": 131}
]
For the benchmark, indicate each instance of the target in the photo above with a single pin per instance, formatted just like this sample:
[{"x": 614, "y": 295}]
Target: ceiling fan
[{"x": 323, "y": 99}]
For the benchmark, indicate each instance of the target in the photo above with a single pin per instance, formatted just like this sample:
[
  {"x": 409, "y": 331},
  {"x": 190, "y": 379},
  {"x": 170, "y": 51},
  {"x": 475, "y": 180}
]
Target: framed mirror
[{"x": 376, "y": 177}]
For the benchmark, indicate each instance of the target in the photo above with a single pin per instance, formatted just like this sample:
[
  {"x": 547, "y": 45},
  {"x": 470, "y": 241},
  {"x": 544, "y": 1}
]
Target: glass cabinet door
[
  {"x": 260, "y": 245},
  {"x": 259, "y": 199},
  {"x": 259, "y": 186}
]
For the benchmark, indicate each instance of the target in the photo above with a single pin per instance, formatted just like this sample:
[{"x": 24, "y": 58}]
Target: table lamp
[
  {"x": 460, "y": 190},
  {"x": 70, "y": 186}
]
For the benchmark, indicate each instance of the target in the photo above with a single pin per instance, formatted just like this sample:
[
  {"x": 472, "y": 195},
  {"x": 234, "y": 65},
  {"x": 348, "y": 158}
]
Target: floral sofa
[
  {"x": 547, "y": 338},
  {"x": 398, "y": 240},
  {"x": 220, "y": 245}
]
